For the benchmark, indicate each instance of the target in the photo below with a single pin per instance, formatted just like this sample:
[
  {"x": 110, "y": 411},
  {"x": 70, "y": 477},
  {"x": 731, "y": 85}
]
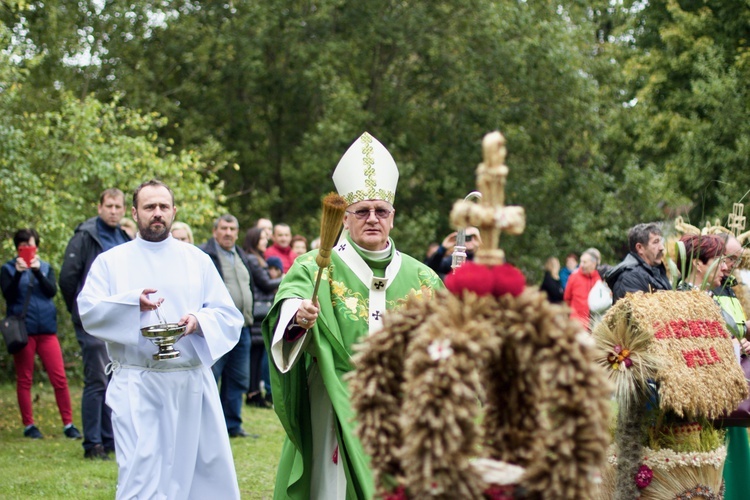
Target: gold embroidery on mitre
[{"x": 375, "y": 174}]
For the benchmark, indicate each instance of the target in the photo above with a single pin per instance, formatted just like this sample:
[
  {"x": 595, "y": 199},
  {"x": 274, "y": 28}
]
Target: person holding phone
[
  {"x": 440, "y": 261},
  {"x": 19, "y": 277}
]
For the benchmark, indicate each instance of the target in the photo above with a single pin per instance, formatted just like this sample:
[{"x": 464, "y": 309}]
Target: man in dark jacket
[
  {"x": 643, "y": 268},
  {"x": 92, "y": 237},
  {"x": 232, "y": 370}
]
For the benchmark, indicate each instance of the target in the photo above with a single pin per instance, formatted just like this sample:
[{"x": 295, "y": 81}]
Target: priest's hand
[
  {"x": 191, "y": 322},
  {"x": 306, "y": 315},
  {"x": 146, "y": 303}
]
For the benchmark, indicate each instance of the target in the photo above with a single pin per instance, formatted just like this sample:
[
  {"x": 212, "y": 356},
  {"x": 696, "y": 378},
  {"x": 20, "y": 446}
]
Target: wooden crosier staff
[{"x": 334, "y": 207}]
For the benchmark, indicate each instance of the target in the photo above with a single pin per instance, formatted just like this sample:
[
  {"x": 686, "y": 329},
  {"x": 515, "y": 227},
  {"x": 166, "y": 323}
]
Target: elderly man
[
  {"x": 579, "y": 287},
  {"x": 642, "y": 270},
  {"x": 232, "y": 371},
  {"x": 735, "y": 471},
  {"x": 724, "y": 294},
  {"x": 311, "y": 343},
  {"x": 169, "y": 431},
  {"x": 92, "y": 237}
]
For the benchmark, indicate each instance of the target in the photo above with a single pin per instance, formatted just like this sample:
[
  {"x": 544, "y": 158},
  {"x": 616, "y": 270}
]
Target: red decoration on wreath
[
  {"x": 496, "y": 492},
  {"x": 397, "y": 494},
  {"x": 644, "y": 476},
  {"x": 484, "y": 280}
]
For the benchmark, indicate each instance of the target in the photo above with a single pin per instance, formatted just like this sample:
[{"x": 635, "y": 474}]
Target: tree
[
  {"x": 54, "y": 164},
  {"x": 686, "y": 70},
  {"x": 615, "y": 113}
]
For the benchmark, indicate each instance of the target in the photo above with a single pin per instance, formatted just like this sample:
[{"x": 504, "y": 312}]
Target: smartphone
[{"x": 27, "y": 253}]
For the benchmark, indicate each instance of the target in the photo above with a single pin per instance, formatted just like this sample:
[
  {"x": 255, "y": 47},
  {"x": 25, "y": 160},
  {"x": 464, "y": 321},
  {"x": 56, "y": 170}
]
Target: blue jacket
[{"x": 41, "y": 315}]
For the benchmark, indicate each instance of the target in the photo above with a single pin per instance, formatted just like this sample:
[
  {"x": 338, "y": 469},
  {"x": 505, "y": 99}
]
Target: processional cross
[
  {"x": 490, "y": 215},
  {"x": 736, "y": 221}
]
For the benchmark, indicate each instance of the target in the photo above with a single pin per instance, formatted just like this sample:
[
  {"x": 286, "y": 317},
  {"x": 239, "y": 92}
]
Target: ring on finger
[{"x": 304, "y": 321}]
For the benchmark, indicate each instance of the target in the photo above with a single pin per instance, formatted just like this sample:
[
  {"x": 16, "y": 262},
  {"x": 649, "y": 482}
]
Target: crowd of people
[
  {"x": 590, "y": 287},
  {"x": 242, "y": 373},
  {"x": 258, "y": 329}
]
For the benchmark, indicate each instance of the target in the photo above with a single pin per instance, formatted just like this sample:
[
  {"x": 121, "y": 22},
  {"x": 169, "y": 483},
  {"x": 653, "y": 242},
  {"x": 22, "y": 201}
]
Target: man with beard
[
  {"x": 92, "y": 237},
  {"x": 643, "y": 268},
  {"x": 169, "y": 428}
]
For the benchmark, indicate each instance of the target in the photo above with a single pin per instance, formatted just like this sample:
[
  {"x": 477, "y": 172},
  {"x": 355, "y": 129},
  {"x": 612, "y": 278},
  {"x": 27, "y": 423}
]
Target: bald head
[{"x": 733, "y": 253}]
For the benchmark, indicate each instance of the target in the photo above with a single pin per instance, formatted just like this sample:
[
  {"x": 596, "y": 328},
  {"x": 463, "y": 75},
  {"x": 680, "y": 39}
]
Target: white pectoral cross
[{"x": 377, "y": 285}]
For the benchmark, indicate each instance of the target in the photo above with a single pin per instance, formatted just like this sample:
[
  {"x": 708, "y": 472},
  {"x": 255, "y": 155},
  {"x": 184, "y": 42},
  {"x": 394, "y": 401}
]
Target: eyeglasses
[
  {"x": 364, "y": 213},
  {"x": 731, "y": 260}
]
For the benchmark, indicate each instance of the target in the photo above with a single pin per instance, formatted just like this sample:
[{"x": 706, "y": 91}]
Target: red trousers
[{"x": 48, "y": 348}]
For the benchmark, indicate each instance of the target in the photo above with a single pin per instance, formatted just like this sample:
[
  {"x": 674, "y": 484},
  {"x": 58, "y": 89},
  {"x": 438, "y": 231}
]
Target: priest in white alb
[
  {"x": 311, "y": 344},
  {"x": 170, "y": 437}
]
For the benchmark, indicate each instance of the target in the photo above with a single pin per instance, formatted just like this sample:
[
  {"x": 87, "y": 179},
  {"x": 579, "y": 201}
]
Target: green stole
[{"x": 342, "y": 321}]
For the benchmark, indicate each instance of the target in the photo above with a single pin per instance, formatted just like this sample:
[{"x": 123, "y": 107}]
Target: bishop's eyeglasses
[{"x": 364, "y": 213}]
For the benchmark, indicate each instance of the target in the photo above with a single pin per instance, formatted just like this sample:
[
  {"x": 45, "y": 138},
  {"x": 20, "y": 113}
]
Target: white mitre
[{"x": 366, "y": 172}]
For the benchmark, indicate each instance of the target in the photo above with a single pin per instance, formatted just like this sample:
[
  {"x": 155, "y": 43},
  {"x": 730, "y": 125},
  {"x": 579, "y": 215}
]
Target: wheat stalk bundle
[{"x": 334, "y": 207}]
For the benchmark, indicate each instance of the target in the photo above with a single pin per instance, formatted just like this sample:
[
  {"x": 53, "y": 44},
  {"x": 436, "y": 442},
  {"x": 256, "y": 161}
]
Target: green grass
[{"x": 54, "y": 467}]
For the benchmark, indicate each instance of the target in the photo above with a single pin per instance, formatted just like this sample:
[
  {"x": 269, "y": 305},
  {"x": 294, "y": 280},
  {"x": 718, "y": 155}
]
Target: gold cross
[
  {"x": 736, "y": 221},
  {"x": 490, "y": 215}
]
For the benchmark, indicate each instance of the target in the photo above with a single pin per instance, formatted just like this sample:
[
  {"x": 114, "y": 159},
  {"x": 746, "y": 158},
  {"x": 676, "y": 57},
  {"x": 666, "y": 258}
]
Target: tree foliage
[
  {"x": 54, "y": 163},
  {"x": 614, "y": 112},
  {"x": 685, "y": 67}
]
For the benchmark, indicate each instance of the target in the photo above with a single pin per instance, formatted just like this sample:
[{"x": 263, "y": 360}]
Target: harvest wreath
[
  {"x": 682, "y": 373},
  {"x": 487, "y": 390},
  {"x": 422, "y": 383}
]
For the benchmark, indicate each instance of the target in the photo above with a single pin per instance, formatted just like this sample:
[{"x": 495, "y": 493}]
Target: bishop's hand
[{"x": 306, "y": 315}]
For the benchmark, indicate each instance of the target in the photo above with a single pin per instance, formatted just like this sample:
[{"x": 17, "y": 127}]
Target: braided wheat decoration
[
  {"x": 488, "y": 391},
  {"x": 422, "y": 420}
]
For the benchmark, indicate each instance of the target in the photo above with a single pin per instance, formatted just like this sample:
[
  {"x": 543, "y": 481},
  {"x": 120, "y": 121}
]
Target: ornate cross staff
[
  {"x": 490, "y": 215},
  {"x": 736, "y": 221}
]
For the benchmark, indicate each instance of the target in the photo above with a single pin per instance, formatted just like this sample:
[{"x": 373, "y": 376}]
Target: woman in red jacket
[{"x": 579, "y": 285}]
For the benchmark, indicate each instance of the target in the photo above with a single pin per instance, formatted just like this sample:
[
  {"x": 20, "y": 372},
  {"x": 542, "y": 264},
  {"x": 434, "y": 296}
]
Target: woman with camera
[{"x": 28, "y": 283}]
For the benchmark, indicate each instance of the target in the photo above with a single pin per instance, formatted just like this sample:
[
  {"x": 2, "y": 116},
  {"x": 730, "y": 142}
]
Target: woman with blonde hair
[
  {"x": 182, "y": 232},
  {"x": 551, "y": 282}
]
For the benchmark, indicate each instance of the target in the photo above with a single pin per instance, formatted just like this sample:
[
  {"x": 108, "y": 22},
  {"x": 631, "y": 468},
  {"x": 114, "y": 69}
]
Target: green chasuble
[
  {"x": 737, "y": 465},
  {"x": 343, "y": 319}
]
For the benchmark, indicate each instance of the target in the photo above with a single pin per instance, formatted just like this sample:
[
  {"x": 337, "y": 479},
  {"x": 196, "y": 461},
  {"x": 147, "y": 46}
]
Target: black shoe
[
  {"x": 72, "y": 433},
  {"x": 96, "y": 453},
  {"x": 242, "y": 434},
  {"x": 32, "y": 432},
  {"x": 254, "y": 399}
]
